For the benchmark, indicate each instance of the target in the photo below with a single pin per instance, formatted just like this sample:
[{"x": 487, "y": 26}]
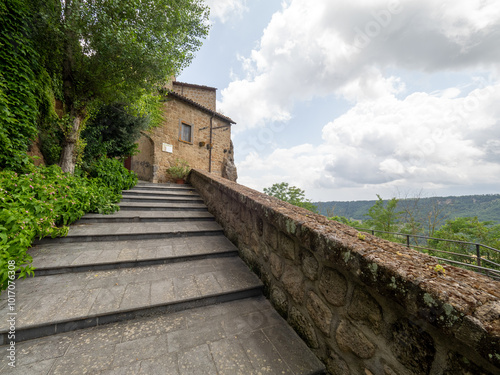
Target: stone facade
[
  {"x": 364, "y": 306},
  {"x": 203, "y": 95},
  {"x": 193, "y": 106}
]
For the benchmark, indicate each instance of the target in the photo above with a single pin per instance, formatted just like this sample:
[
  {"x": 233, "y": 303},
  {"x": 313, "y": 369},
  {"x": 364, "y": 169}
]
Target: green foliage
[
  {"x": 179, "y": 169},
  {"x": 467, "y": 229},
  {"x": 44, "y": 202},
  {"x": 112, "y": 174},
  {"x": 115, "y": 51},
  {"x": 384, "y": 217},
  {"x": 290, "y": 194},
  {"x": 112, "y": 132},
  {"x": 485, "y": 207},
  {"x": 18, "y": 86}
]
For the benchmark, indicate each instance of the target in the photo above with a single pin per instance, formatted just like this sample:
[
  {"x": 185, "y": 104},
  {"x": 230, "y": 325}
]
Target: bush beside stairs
[{"x": 155, "y": 288}]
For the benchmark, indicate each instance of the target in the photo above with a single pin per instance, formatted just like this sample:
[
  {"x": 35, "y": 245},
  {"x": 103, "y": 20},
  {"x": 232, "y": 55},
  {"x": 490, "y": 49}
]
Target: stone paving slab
[
  {"x": 52, "y": 254},
  {"x": 141, "y": 228},
  {"x": 42, "y": 301},
  {"x": 244, "y": 337},
  {"x": 153, "y": 199},
  {"x": 166, "y": 193},
  {"x": 138, "y": 216},
  {"x": 161, "y": 206},
  {"x": 134, "y": 231}
]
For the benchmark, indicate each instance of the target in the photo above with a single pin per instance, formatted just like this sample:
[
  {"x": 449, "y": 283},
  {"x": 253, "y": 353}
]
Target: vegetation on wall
[
  {"x": 18, "y": 86},
  {"x": 44, "y": 201}
]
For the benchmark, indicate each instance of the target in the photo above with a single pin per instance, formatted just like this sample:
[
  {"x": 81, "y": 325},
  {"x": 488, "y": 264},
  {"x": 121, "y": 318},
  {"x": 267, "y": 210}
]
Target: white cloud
[
  {"x": 224, "y": 9},
  {"x": 422, "y": 141},
  {"x": 344, "y": 48}
]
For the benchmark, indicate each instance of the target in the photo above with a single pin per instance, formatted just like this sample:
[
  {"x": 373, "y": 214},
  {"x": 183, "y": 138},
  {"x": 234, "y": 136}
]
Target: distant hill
[{"x": 485, "y": 207}]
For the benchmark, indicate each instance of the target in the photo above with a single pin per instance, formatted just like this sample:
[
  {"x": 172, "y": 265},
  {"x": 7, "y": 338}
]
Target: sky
[{"x": 347, "y": 99}]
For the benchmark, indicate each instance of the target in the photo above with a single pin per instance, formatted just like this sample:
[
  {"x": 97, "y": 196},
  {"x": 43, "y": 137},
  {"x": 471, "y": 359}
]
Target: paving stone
[
  {"x": 197, "y": 361},
  {"x": 194, "y": 336},
  {"x": 129, "y": 352},
  {"x": 167, "y": 365},
  {"x": 230, "y": 357}
]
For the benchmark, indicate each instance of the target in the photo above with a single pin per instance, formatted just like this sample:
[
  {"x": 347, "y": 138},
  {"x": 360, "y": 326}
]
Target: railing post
[
  {"x": 407, "y": 240},
  {"x": 478, "y": 253},
  {"x": 373, "y": 232}
]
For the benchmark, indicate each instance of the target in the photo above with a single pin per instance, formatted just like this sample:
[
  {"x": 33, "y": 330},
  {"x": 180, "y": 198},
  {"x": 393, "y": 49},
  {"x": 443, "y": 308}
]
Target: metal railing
[{"x": 475, "y": 256}]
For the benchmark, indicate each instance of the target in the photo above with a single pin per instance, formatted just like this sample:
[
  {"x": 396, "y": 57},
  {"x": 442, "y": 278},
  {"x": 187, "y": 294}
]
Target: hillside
[{"x": 485, "y": 207}]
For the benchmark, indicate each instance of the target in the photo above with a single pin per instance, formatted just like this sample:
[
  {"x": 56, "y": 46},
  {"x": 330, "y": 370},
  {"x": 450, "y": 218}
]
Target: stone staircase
[{"x": 155, "y": 288}]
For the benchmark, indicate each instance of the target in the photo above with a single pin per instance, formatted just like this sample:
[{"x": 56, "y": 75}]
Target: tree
[
  {"x": 290, "y": 194},
  {"x": 104, "y": 51},
  {"x": 384, "y": 218},
  {"x": 112, "y": 132}
]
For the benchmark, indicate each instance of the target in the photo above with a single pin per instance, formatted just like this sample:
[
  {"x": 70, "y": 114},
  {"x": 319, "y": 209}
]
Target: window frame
[{"x": 181, "y": 125}]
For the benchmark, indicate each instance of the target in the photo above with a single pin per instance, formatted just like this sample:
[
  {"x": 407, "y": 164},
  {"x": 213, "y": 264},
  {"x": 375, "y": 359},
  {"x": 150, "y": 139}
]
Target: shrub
[{"x": 45, "y": 201}]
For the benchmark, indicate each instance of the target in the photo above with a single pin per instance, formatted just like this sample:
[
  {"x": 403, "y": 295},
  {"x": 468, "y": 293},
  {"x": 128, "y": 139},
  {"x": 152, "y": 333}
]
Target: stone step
[
  {"x": 164, "y": 187},
  {"x": 55, "y": 258},
  {"x": 167, "y": 193},
  {"x": 145, "y": 206},
  {"x": 66, "y": 302},
  {"x": 135, "y": 231},
  {"x": 162, "y": 200},
  {"x": 134, "y": 216},
  {"x": 243, "y": 337}
]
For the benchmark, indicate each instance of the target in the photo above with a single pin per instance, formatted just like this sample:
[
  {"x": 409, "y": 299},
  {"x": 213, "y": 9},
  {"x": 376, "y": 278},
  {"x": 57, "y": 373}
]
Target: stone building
[{"x": 192, "y": 130}]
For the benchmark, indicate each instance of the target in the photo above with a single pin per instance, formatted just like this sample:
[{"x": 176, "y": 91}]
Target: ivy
[{"x": 18, "y": 87}]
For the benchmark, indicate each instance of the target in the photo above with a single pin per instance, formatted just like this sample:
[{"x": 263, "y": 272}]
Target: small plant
[
  {"x": 179, "y": 170},
  {"x": 361, "y": 237},
  {"x": 439, "y": 269}
]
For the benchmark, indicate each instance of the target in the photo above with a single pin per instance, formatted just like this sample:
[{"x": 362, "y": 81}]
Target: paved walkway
[{"x": 153, "y": 289}]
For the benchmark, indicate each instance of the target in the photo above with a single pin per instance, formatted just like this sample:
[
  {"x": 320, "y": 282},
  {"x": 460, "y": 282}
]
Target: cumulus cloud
[
  {"x": 447, "y": 138},
  {"x": 344, "y": 47},
  {"x": 222, "y": 10}
]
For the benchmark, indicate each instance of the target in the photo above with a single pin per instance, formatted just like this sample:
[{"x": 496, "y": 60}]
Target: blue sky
[{"x": 349, "y": 99}]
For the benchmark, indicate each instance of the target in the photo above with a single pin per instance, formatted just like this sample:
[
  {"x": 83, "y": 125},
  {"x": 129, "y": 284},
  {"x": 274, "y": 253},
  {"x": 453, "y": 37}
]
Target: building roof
[
  {"x": 194, "y": 86},
  {"x": 202, "y": 108}
]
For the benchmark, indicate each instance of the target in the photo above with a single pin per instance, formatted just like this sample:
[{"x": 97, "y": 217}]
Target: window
[{"x": 186, "y": 133}]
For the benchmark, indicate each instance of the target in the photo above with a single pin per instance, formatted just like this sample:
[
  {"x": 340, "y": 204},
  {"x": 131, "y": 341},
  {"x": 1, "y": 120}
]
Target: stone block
[
  {"x": 319, "y": 312},
  {"x": 276, "y": 265},
  {"x": 309, "y": 263},
  {"x": 352, "y": 340},
  {"x": 336, "y": 365},
  {"x": 280, "y": 301},
  {"x": 413, "y": 347},
  {"x": 333, "y": 286},
  {"x": 293, "y": 281},
  {"x": 365, "y": 308},
  {"x": 459, "y": 365},
  {"x": 271, "y": 236},
  {"x": 287, "y": 246},
  {"x": 303, "y": 327}
]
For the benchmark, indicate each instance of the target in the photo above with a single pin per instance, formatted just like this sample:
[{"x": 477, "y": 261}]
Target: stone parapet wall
[{"x": 364, "y": 305}]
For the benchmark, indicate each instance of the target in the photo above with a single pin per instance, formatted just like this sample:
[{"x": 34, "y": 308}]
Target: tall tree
[
  {"x": 109, "y": 51},
  {"x": 384, "y": 217},
  {"x": 290, "y": 194}
]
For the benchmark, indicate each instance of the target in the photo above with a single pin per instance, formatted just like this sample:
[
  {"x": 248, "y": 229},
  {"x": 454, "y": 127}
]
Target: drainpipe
[{"x": 210, "y": 146}]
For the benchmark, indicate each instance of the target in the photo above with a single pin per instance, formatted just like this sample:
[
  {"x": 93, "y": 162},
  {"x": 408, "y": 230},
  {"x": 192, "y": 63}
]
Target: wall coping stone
[{"x": 460, "y": 303}]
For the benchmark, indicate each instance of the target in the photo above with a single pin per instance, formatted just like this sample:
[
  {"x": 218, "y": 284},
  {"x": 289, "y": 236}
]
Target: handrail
[{"x": 478, "y": 258}]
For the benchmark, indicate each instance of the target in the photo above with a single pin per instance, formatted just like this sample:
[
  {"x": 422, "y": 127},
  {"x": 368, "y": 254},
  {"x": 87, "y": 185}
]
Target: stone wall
[
  {"x": 195, "y": 153},
  {"x": 364, "y": 305},
  {"x": 206, "y": 96}
]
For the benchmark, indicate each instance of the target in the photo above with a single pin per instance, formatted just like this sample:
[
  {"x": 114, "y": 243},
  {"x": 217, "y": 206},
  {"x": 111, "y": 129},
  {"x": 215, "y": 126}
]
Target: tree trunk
[{"x": 68, "y": 157}]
